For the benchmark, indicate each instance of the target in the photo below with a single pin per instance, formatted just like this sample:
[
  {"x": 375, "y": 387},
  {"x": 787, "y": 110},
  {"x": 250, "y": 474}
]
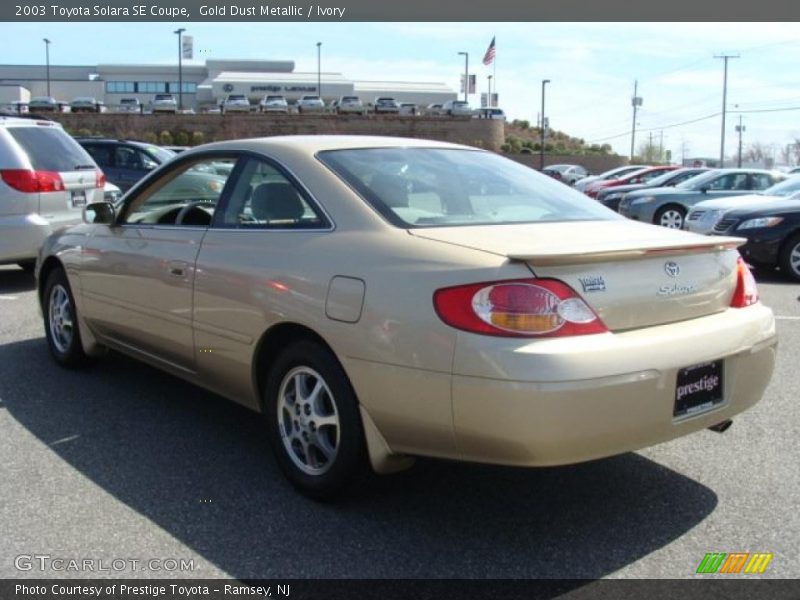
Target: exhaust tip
[{"x": 722, "y": 427}]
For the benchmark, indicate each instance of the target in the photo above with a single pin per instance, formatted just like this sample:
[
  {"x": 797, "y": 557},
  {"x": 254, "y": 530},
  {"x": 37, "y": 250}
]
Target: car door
[
  {"x": 138, "y": 275},
  {"x": 131, "y": 165},
  {"x": 252, "y": 270}
]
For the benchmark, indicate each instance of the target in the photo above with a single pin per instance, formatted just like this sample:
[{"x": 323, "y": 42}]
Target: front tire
[
  {"x": 789, "y": 260},
  {"x": 313, "y": 420},
  {"x": 61, "y": 322},
  {"x": 670, "y": 216}
]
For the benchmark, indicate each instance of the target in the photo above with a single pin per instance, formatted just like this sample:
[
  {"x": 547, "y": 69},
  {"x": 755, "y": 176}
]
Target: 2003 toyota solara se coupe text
[{"x": 380, "y": 298}]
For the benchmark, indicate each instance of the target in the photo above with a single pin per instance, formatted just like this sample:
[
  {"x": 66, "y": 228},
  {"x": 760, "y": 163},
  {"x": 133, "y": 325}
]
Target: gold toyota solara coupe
[{"x": 378, "y": 299}]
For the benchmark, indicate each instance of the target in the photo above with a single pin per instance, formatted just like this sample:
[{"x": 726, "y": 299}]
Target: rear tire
[
  {"x": 789, "y": 260},
  {"x": 670, "y": 216},
  {"x": 313, "y": 421},
  {"x": 61, "y": 322}
]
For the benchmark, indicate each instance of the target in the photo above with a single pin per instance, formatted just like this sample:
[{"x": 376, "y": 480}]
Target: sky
[{"x": 591, "y": 67}]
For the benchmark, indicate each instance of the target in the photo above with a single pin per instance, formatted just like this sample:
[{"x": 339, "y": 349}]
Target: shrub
[
  {"x": 165, "y": 138},
  {"x": 150, "y": 137},
  {"x": 181, "y": 138},
  {"x": 198, "y": 137}
]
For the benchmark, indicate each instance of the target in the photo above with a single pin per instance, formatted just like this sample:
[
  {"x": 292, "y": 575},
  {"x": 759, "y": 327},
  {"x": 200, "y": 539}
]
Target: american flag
[{"x": 489, "y": 56}]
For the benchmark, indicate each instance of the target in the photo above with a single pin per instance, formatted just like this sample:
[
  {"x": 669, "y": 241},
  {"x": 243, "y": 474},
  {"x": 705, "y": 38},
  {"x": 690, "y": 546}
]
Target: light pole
[
  {"x": 725, "y": 58},
  {"x": 319, "y": 69},
  {"x": 489, "y": 100},
  {"x": 466, "y": 73},
  {"x": 636, "y": 102},
  {"x": 542, "y": 126},
  {"x": 179, "y": 33},
  {"x": 740, "y": 130},
  {"x": 47, "y": 61}
]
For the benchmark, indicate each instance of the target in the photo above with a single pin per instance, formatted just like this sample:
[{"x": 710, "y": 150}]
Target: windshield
[
  {"x": 434, "y": 187},
  {"x": 559, "y": 168},
  {"x": 699, "y": 180},
  {"x": 50, "y": 149},
  {"x": 785, "y": 188}
]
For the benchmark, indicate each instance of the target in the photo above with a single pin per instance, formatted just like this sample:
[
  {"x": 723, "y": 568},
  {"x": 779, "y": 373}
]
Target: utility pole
[
  {"x": 466, "y": 73},
  {"x": 725, "y": 58},
  {"x": 319, "y": 70},
  {"x": 661, "y": 146},
  {"x": 740, "y": 129},
  {"x": 542, "y": 127},
  {"x": 636, "y": 102},
  {"x": 179, "y": 33},
  {"x": 47, "y": 59},
  {"x": 650, "y": 149}
]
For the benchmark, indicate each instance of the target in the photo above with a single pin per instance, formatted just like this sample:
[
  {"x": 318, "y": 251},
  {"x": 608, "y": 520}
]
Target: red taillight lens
[
  {"x": 23, "y": 180},
  {"x": 100, "y": 179},
  {"x": 746, "y": 292},
  {"x": 517, "y": 308}
]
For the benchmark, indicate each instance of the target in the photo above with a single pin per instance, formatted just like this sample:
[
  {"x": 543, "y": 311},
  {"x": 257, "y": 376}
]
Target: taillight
[
  {"x": 100, "y": 179},
  {"x": 746, "y": 292},
  {"x": 517, "y": 308},
  {"x": 23, "y": 180}
]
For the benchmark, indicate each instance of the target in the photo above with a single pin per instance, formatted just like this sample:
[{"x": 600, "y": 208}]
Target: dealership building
[{"x": 203, "y": 86}]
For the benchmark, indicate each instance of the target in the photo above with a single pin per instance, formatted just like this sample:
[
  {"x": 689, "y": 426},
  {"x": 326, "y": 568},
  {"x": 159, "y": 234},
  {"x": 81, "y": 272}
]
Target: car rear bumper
[
  {"x": 21, "y": 236},
  {"x": 563, "y": 401}
]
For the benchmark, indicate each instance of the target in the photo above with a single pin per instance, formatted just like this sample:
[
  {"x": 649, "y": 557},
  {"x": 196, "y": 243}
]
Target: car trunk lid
[{"x": 632, "y": 275}]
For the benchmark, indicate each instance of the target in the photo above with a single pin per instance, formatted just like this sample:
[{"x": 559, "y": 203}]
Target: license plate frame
[
  {"x": 698, "y": 389},
  {"x": 78, "y": 199}
]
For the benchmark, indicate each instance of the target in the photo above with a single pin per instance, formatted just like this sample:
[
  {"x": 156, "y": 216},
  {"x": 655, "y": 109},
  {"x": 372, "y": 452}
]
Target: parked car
[
  {"x": 308, "y": 104},
  {"x": 642, "y": 176},
  {"x": 129, "y": 105},
  {"x": 611, "y": 197},
  {"x": 457, "y": 108},
  {"x": 386, "y": 105},
  {"x": 614, "y": 173},
  {"x": 45, "y": 181},
  {"x": 125, "y": 162},
  {"x": 520, "y": 341},
  {"x": 554, "y": 173},
  {"x": 434, "y": 109},
  {"x": 408, "y": 109},
  {"x": 794, "y": 171},
  {"x": 569, "y": 173},
  {"x": 273, "y": 104},
  {"x": 668, "y": 206},
  {"x": 111, "y": 193},
  {"x": 44, "y": 104},
  {"x": 235, "y": 103},
  {"x": 86, "y": 104},
  {"x": 704, "y": 216},
  {"x": 350, "y": 104},
  {"x": 164, "y": 103},
  {"x": 772, "y": 231},
  {"x": 490, "y": 113}
]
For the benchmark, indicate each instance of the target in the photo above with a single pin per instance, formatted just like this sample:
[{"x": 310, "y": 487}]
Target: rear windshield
[
  {"x": 275, "y": 98},
  {"x": 434, "y": 187},
  {"x": 164, "y": 97},
  {"x": 236, "y": 97},
  {"x": 50, "y": 149},
  {"x": 129, "y": 101}
]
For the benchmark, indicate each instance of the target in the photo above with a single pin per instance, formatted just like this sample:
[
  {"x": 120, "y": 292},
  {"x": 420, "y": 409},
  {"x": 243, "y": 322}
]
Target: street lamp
[
  {"x": 489, "y": 77},
  {"x": 542, "y": 126},
  {"x": 179, "y": 33},
  {"x": 466, "y": 73},
  {"x": 47, "y": 59},
  {"x": 319, "y": 69}
]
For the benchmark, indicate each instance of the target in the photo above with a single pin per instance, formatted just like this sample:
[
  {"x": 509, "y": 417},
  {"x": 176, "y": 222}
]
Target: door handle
[{"x": 177, "y": 268}]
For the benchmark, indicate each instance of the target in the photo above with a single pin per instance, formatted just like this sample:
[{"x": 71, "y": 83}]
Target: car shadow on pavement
[
  {"x": 13, "y": 281},
  {"x": 199, "y": 467}
]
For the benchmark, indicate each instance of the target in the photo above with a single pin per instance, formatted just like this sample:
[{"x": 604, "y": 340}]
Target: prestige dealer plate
[{"x": 698, "y": 389}]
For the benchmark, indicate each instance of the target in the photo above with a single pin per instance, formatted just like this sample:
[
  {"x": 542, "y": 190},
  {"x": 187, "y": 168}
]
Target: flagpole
[{"x": 494, "y": 75}]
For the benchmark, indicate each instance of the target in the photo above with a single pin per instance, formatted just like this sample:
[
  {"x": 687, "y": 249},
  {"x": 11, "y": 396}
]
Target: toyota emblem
[{"x": 672, "y": 269}]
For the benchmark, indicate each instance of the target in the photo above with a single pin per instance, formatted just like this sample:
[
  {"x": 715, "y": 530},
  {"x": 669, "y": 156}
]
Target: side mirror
[{"x": 99, "y": 213}]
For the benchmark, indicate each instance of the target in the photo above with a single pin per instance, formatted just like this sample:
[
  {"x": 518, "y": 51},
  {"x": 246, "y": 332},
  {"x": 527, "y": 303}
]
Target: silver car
[
  {"x": 308, "y": 104},
  {"x": 164, "y": 103},
  {"x": 457, "y": 108},
  {"x": 273, "y": 104},
  {"x": 350, "y": 104},
  {"x": 43, "y": 104},
  {"x": 236, "y": 103},
  {"x": 86, "y": 104},
  {"x": 46, "y": 179}
]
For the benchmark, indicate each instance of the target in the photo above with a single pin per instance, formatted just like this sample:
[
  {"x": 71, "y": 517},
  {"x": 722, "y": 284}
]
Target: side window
[
  {"x": 731, "y": 181},
  {"x": 186, "y": 195},
  {"x": 100, "y": 153},
  {"x": 263, "y": 198},
  {"x": 127, "y": 158},
  {"x": 761, "y": 181}
]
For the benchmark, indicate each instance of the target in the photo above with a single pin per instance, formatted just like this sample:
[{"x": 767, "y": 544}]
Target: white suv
[
  {"x": 310, "y": 104},
  {"x": 46, "y": 178},
  {"x": 164, "y": 103},
  {"x": 236, "y": 103}
]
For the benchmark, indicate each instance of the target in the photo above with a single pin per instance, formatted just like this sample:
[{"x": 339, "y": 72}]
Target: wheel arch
[{"x": 50, "y": 264}]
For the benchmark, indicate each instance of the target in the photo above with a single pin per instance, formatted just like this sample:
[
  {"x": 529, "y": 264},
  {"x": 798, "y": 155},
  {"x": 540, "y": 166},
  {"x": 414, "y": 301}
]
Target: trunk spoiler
[{"x": 588, "y": 253}]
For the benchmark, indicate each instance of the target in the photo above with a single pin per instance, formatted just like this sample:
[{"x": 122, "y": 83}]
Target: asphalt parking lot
[{"x": 123, "y": 462}]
